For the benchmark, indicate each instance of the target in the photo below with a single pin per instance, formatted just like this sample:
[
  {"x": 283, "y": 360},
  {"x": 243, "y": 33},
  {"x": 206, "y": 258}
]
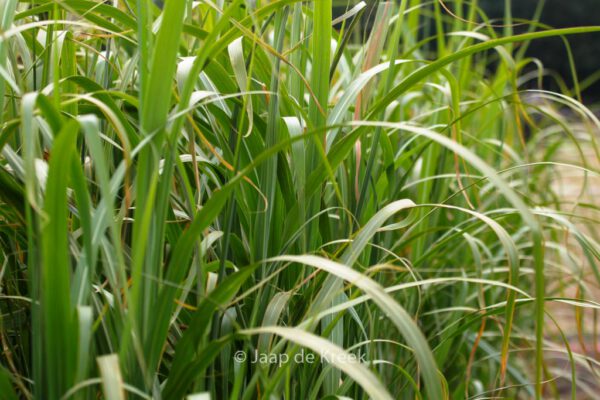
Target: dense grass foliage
[{"x": 257, "y": 199}]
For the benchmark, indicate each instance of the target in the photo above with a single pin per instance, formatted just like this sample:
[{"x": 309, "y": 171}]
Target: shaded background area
[{"x": 551, "y": 52}]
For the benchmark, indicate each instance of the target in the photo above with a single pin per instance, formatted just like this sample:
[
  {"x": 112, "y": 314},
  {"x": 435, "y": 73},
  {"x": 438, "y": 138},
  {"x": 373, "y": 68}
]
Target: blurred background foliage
[{"x": 551, "y": 51}]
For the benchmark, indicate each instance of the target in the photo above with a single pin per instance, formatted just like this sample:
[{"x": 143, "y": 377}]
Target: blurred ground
[{"x": 571, "y": 185}]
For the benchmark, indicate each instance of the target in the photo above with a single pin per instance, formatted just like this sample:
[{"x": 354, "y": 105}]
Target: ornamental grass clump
[{"x": 261, "y": 199}]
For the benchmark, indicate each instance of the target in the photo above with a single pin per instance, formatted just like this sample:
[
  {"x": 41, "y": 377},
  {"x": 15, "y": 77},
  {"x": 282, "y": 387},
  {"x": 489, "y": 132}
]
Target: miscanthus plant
[{"x": 258, "y": 200}]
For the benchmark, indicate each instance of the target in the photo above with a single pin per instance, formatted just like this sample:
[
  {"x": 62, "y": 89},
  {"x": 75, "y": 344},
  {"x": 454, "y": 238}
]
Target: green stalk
[
  {"x": 319, "y": 81},
  {"x": 58, "y": 323},
  {"x": 388, "y": 78},
  {"x": 154, "y": 105},
  {"x": 268, "y": 173}
]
